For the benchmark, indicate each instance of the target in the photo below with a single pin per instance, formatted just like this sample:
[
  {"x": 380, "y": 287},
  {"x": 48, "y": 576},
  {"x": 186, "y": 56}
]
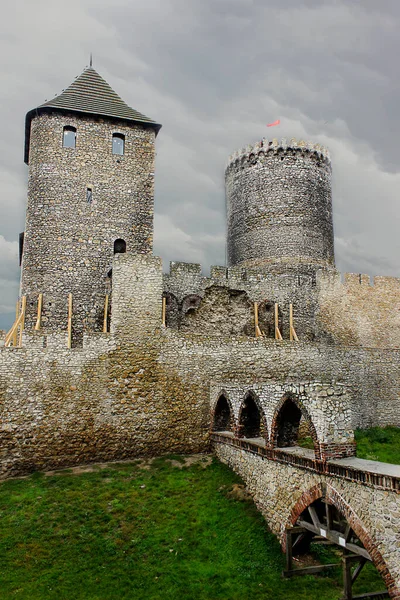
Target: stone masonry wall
[
  {"x": 69, "y": 242},
  {"x": 279, "y": 207},
  {"x": 359, "y": 311},
  {"x": 277, "y": 487}
]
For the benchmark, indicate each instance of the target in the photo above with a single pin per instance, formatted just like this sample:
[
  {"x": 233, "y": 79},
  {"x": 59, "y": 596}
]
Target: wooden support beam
[
  {"x": 347, "y": 583},
  {"x": 336, "y": 537},
  {"x": 105, "y": 328},
  {"x": 314, "y": 517},
  {"x": 39, "y": 312},
  {"x": 256, "y": 327},
  {"x": 358, "y": 568},
  {"x": 69, "y": 338},
  {"x": 11, "y": 334},
  {"x": 278, "y": 335},
  {"x": 22, "y": 323},
  {"x": 164, "y": 312},
  {"x": 292, "y": 332},
  {"x": 16, "y": 319}
]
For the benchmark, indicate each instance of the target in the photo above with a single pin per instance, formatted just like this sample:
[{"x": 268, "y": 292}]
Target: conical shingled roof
[{"x": 90, "y": 94}]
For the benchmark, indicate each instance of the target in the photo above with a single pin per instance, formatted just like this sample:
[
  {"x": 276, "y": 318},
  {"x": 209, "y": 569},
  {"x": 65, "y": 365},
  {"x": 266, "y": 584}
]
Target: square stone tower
[{"x": 90, "y": 195}]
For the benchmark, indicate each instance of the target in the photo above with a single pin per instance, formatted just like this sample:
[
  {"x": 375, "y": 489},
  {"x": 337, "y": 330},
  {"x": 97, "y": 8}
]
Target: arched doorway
[
  {"x": 251, "y": 419},
  {"x": 223, "y": 419},
  {"x": 292, "y": 426}
]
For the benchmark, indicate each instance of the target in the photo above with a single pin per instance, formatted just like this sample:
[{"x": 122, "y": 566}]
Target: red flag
[{"x": 278, "y": 122}]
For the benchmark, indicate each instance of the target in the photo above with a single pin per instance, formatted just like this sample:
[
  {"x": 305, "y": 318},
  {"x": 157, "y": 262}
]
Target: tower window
[
  {"x": 69, "y": 137},
  {"x": 118, "y": 144},
  {"x": 89, "y": 195},
  {"x": 119, "y": 246}
]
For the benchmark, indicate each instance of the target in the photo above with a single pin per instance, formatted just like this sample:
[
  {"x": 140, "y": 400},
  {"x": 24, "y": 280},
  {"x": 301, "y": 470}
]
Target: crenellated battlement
[{"x": 252, "y": 153}]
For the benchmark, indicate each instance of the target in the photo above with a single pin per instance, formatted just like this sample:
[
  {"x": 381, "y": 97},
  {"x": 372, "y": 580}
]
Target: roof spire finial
[{"x": 91, "y": 60}]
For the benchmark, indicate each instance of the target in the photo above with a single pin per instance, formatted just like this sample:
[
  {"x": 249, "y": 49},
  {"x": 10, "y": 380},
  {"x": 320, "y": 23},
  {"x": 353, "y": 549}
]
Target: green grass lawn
[
  {"x": 160, "y": 532},
  {"x": 379, "y": 443}
]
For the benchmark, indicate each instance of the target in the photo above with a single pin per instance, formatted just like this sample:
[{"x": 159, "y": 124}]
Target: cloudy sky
[{"x": 214, "y": 72}]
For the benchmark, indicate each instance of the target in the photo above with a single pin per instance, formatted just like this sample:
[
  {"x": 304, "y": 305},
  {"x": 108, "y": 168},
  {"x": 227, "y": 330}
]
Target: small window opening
[
  {"x": 118, "y": 144},
  {"x": 69, "y": 137},
  {"x": 119, "y": 246},
  {"x": 89, "y": 195}
]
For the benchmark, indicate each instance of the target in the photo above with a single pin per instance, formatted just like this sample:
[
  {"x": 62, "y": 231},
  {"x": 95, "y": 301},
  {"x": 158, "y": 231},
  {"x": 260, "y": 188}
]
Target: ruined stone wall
[
  {"x": 279, "y": 207},
  {"x": 69, "y": 242},
  {"x": 359, "y": 311},
  {"x": 223, "y": 304},
  {"x": 277, "y": 488}
]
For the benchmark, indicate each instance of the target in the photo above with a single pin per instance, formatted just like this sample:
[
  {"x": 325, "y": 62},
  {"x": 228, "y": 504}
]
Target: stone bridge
[{"x": 303, "y": 493}]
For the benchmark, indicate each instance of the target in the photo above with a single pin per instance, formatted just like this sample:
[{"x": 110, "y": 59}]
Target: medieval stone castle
[{"x": 109, "y": 358}]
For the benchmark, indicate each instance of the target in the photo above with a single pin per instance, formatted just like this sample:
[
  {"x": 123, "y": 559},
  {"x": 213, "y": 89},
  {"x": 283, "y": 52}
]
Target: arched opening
[
  {"x": 118, "y": 144},
  {"x": 292, "y": 426},
  {"x": 119, "y": 246},
  {"x": 250, "y": 421},
  {"x": 322, "y": 522},
  {"x": 69, "y": 137},
  {"x": 222, "y": 415}
]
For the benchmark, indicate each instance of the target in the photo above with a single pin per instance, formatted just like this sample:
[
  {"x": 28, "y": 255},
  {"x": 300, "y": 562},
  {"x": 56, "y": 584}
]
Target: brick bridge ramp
[{"x": 290, "y": 485}]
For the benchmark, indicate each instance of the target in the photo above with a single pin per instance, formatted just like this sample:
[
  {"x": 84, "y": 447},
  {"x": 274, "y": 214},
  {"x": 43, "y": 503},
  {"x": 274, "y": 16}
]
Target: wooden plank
[
  {"x": 164, "y": 311},
  {"x": 39, "y": 312},
  {"x": 69, "y": 339},
  {"x": 105, "y": 328},
  {"x": 22, "y": 324},
  {"x": 309, "y": 570},
  {"x": 278, "y": 335},
  {"x": 374, "y": 595}
]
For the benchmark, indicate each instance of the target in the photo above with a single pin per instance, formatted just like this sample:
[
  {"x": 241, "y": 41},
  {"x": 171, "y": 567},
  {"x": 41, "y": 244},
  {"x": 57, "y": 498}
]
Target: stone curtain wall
[
  {"x": 69, "y": 242},
  {"x": 149, "y": 395},
  {"x": 277, "y": 488},
  {"x": 279, "y": 207},
  {"x": 359, "y": 311}
]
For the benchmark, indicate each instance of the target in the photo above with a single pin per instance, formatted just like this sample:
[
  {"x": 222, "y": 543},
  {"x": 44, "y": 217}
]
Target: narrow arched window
[
  {"x": 118, "y": 144},
  {"x": 119, "y": 246},
  {"x": 69, "y": 137}
]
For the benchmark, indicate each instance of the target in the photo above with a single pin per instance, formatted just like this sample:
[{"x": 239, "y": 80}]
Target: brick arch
[
  {"x": 225, "y": 394},
  {"x": 263, "y": 419},
  {"x": 275, "y": 422},
  {"x": 333, "y": 497}
]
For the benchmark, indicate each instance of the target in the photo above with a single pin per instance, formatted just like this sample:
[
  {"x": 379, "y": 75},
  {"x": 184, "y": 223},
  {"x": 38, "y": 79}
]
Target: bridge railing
[{"x": 369, "y": 478}]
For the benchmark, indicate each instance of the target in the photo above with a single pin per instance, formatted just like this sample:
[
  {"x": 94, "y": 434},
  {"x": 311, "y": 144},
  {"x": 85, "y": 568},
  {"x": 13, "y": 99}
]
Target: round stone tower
[
  {"x": 279, "y": 207},
  {"x": 90, "y": 194}
]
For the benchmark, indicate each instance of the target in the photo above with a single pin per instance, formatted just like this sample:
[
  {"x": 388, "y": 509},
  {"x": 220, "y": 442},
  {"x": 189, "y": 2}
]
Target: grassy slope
[
  {"x": 379, "y": 443},
  {"x": 126, "y": 532}
]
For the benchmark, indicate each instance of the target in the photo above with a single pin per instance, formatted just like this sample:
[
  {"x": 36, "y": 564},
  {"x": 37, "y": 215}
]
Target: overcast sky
[{"x": 214, "y": 73}]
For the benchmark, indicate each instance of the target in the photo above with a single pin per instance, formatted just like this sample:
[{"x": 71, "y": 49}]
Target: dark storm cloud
[{"x": 214, "y": 73}]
